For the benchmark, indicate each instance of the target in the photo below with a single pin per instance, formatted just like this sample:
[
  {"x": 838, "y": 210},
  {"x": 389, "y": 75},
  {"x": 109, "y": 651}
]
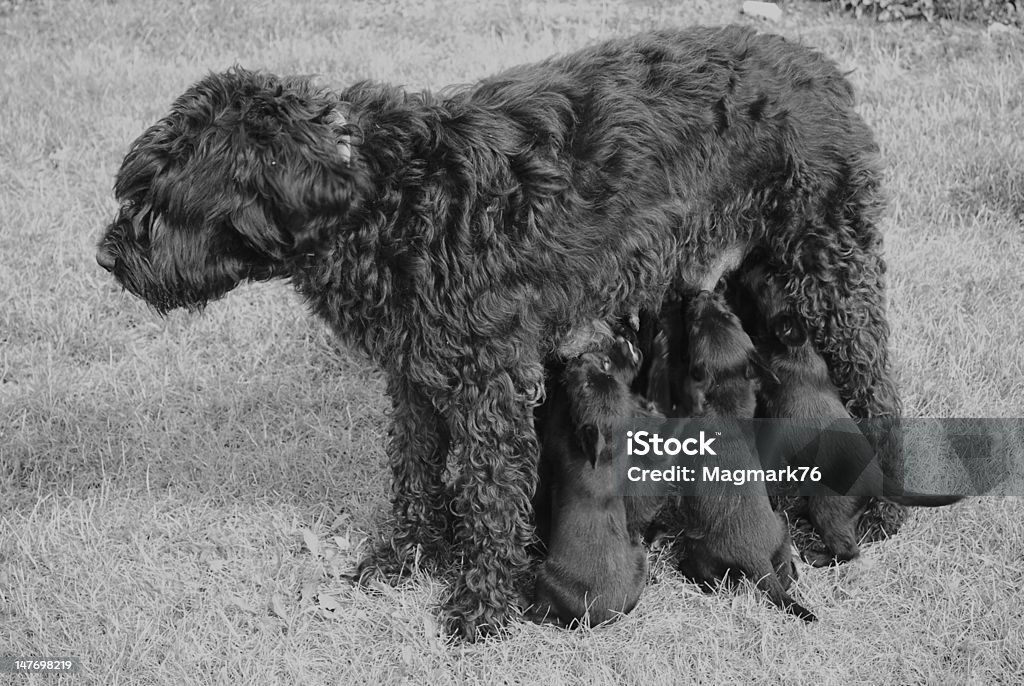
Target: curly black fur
[{"x": 459, "y": 238}]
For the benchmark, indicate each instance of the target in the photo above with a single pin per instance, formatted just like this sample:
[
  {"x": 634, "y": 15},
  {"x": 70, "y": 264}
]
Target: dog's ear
[
  {"x": 292, "y": 154},
  {"x": 788, "y": 329},
  {"x": 593, "y": 443},
  {"x": 251, "y": 221}
]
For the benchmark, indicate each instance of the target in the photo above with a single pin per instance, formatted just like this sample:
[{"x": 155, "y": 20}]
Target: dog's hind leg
[
  {"x": 417, "y": 451},
  {"x": 492, "y": 429}
]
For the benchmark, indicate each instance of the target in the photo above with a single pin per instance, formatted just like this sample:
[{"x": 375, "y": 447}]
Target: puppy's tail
[
  {"x": 911, "y": 499},
  {"x": 894, "y": 492},
  {"x": 772, "y": 587}
]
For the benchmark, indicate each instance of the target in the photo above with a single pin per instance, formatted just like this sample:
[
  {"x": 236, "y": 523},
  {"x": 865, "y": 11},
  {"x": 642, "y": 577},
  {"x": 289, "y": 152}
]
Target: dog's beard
[{"x": 184, "y": 275}]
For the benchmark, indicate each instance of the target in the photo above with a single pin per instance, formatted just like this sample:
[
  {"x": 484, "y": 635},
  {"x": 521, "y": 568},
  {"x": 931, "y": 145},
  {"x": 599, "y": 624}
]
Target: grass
[{"x": 181, "y": 498}]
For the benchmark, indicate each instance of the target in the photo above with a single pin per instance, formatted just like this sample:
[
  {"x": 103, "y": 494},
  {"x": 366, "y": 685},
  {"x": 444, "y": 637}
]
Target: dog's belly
[{"x": 704, "y": 276}]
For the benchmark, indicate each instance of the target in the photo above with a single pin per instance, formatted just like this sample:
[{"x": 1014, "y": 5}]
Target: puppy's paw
[{"x": 826, "y": 558}]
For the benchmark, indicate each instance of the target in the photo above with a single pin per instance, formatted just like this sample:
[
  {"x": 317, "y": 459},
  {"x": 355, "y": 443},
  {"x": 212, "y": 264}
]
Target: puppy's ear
[
  {"x": 593, "y": 443},
  {"x": 627, "y": 355},
  {"x": 698, "y": 373},
  {"x": 788, "y": 329},
  {"x": 757, "y": 368}
]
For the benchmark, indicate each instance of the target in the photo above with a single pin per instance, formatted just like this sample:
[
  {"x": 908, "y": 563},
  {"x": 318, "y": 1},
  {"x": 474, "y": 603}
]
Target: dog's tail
[{"x": 771, "y": 586}]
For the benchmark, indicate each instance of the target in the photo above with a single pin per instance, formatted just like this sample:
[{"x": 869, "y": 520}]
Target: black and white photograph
[{"x": 450, "y": 342}]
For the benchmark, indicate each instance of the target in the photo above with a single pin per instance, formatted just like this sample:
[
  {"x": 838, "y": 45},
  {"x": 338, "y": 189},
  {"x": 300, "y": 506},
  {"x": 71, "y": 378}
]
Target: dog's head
[{"x": 242, "y": 178}]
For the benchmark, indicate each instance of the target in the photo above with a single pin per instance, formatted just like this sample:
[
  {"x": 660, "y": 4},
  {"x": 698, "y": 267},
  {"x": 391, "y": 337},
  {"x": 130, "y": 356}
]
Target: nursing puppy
[
  {"x": 596, "y": 565},
  {"x": 722, "y": 373},
  {"x": 821, "y": 433},
  {"x": 736, "y": 533}
]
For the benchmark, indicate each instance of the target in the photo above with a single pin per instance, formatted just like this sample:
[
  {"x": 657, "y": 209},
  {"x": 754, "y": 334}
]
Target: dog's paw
[
  {"x": 822, "y": 558},
  {"x": 384, "y": 564},
  {"x": 471, "y": 624},
  {"x": 471, "y": 617}
]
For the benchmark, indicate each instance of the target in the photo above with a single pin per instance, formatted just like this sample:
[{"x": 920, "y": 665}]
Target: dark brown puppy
[
  {"x": 596, "y": 565},
  {"x": 737, "y": 533},
  {"x": 822, "y": 432}
]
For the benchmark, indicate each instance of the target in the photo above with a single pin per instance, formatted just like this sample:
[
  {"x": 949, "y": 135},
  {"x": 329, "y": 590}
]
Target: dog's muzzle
[{"x": 105, "y": 258}]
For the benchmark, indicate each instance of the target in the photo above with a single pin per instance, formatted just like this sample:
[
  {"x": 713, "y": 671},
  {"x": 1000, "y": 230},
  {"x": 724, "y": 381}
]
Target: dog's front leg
[
  {"x": 417, "y": 451},
  {"x": 493, "y": 433}
]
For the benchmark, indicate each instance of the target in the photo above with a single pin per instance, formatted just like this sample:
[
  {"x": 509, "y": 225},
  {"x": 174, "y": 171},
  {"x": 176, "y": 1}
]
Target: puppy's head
[
  {"x": 759, "y": 283},
  {"x": 242, "y": 177},
  {"x": 777, "y": 316},
  {"x": 720, "y": 351},
  {"x": 718, "y": 343},
  {"x": 598, "y": 387}
]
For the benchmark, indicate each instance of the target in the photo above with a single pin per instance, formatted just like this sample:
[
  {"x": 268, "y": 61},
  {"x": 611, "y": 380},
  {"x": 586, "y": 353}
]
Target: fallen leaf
[
  {"x": 311, "y": 541},
  {"x": 431, "y": 629},
  {"x": 328, "y": 605},
  {"x": 243, "y": 605},
  {"x": 208, "y": 555},
  {"x": 339, "y": 521},
  {"x": 277, "y": 606},
  {"x": 379, "y": 586},
  {"x": 307, "y": 594}
]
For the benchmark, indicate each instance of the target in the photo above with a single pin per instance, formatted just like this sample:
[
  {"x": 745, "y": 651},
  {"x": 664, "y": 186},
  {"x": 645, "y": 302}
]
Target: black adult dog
[{"x": 459, "y": 238}]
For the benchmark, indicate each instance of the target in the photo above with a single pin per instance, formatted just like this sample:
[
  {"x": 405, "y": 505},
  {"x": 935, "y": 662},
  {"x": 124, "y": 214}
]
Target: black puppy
[
  {"x": 821, "y": 432},
  {"x": 736, "y": 532},
  {"x": 723, "y": 366},
  {"x": 596, "y": 565}
]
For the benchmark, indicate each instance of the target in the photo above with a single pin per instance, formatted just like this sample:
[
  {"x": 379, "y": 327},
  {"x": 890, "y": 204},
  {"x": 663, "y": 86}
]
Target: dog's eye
[
  {"x": 606, "y": 364},
  {"x": 698, "y": 373}
]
